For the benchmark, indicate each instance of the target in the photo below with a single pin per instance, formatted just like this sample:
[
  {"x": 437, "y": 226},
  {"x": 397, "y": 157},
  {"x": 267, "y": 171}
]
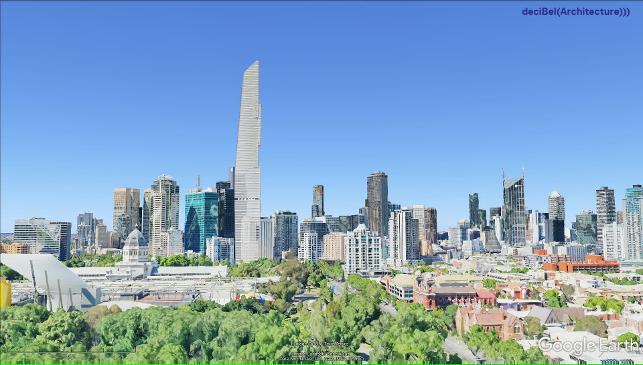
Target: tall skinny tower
[{"x": 247, "y": 177}]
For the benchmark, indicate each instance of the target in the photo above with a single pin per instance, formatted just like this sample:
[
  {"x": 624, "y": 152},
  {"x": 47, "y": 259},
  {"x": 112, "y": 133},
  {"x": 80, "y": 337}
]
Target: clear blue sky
[{"x": 440, "y": 96}]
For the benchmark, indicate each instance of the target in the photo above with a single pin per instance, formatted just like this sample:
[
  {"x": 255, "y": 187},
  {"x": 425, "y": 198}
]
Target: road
[{"x": 454, "y": 345}]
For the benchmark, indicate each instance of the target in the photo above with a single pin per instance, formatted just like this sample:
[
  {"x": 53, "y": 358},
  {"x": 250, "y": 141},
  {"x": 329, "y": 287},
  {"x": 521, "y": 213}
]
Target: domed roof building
[
  {"x": 135, "y": 249},
  {"x": 136, "y": 263}
]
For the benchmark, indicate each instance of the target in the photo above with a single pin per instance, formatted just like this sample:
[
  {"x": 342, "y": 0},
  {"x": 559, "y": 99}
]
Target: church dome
[{"x": 136, "y": 239}]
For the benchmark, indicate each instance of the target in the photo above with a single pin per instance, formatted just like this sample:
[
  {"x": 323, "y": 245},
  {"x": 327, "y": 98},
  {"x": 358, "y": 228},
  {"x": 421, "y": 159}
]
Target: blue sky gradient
[{"x": 440, "y": 96}]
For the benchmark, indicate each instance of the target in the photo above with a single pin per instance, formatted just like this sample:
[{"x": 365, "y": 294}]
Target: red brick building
[
  {"x": 507, "y": 326},
  {"x": 442, "y": 296}
]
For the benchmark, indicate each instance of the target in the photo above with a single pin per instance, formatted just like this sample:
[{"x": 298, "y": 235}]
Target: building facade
[
  {"x": 377, "y": 203},
  {"x": 310, "y": 247},
  {"x": 226, "y": 209},
  {"x": 220, "y": 248},
  {"x": 163, "y": 212},
  {"x": 317, "y": 209},
  {"x": 247, "y": 174},
  {"x": 127, "y": 203},
  {"x": 201, "y": 218},
  {"x": 363, "y": 251},
  {"x": 334, "y": 247},
  {"x": 586, "y": 227},
  {"x": 43, "y": 236},
  {"x": 605, "y": 210},
  {"x": 513, "y": 210},
  {"x": 556, "y": 204},
  {"x": 403, "y": 237},
  {"x": 474, "y": 207},
  {"x": 267, "y": 238},
  {"x": 286, "y": 233},
  {"x": 633, "y": 222}
]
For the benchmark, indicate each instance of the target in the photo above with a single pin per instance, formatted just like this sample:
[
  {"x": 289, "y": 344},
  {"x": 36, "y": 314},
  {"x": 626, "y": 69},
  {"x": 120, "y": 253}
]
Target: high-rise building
[
  {"x": 314, "y": 225},
  {"x": 220, "y": 248},
  {"x": 332, "y": 223},
  {"x": 431, "y": 218},
  {"x": 495, "y": 212},
  {"x": 556, "y": 204},
  {"x": 605, "y": 209},
  {"x": 403, "y": 237},
  {"x": 426, "y": 227},
  {"x": 247, "y": 175},
  {"x": 586, "y": 227},
  {"x": 310, "y": 247},
  {"x": 633, "y": 222},
  {"x": 474, "y": 207},
  {"x": 102, "y": 236},
  {"x": 172, "y": 242},
  {"x": 513, "y": 211},
  {"x": 127, "y": 202},
  {"x": 64, "y": 240},
  {"x": 286, "y": 233},
  {"x": 267, "y": 238},
  {"x": 86, "y": 229},
  {"x": 348, "y": 223},
  {"x": 43, "y": 236},
  {"x": 482, "y": 218},
  {"x": 377, "y": 203},
  {"x": 613, "y": 241},
  {"x": 226, "y": 209},
  {"x": 201, "y": 218},
  {"x": 334, "y": 247},
  {"x": 317, "y": 209},
  {"x": 363, "y": 251},
  {"x": 163, "y": 212},
  {"x": 146, "y": 219}
]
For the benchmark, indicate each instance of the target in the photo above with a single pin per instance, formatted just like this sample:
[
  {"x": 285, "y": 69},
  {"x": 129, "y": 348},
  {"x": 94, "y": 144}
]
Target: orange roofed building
[{"x": 594, "y": 263}]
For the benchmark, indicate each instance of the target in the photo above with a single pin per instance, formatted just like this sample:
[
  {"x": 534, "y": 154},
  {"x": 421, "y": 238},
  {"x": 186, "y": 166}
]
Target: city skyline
[{"x": 84, "y": 173}]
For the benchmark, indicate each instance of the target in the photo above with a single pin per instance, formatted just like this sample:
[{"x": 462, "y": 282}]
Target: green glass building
[
  {"x": 586, "y": 228},
  {"x": 201, "y": 218}
]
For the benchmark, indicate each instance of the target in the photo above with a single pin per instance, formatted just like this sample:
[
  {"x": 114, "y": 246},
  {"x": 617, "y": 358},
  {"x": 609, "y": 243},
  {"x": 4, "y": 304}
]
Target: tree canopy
[{"x": 554, "y": 300}]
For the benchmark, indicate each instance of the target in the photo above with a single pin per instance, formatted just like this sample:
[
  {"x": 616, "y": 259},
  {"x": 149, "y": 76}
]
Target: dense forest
[{"x": 335, "y": 328}]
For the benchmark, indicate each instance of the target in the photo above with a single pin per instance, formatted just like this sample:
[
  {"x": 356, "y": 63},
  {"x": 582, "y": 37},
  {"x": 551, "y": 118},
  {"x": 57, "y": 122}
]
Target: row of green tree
[{"x": 91, "y": 260}]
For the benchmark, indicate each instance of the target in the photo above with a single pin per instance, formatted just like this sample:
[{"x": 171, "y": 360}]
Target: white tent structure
[{"x": 63, "y": 288}]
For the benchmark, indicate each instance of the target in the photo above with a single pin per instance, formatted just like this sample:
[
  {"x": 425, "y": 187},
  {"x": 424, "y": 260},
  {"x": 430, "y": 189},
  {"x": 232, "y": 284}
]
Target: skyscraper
[
  {"x": 586, "y": 227},
  {"x": 163, "y": 212},
  {"x": 605, "y": 209},
  {"x": 126, "y": 211},
  {"x": 613, "y": 241},
  {"x": 286, "y": 233},
  {"x": 556, "y": 204},
  {"x": 247, "y": 176},
  {"x": 633, "y": 222},
  {"x": 201, "y": 218},
  {"x": 513, "y": 211},
  {"x": 426, "y": 227},
  {"x": 431, "y": 230},
  {"x": 377, "y": 203},
  {"x": 317, "y": 209},
  {"x": 404, "y": 237},
  {"x": 474, "y": 206},
  {"x": 226, "y": 209},
  {"x": 267, "y": 239},
  {"x": 86, "y": 228}
]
